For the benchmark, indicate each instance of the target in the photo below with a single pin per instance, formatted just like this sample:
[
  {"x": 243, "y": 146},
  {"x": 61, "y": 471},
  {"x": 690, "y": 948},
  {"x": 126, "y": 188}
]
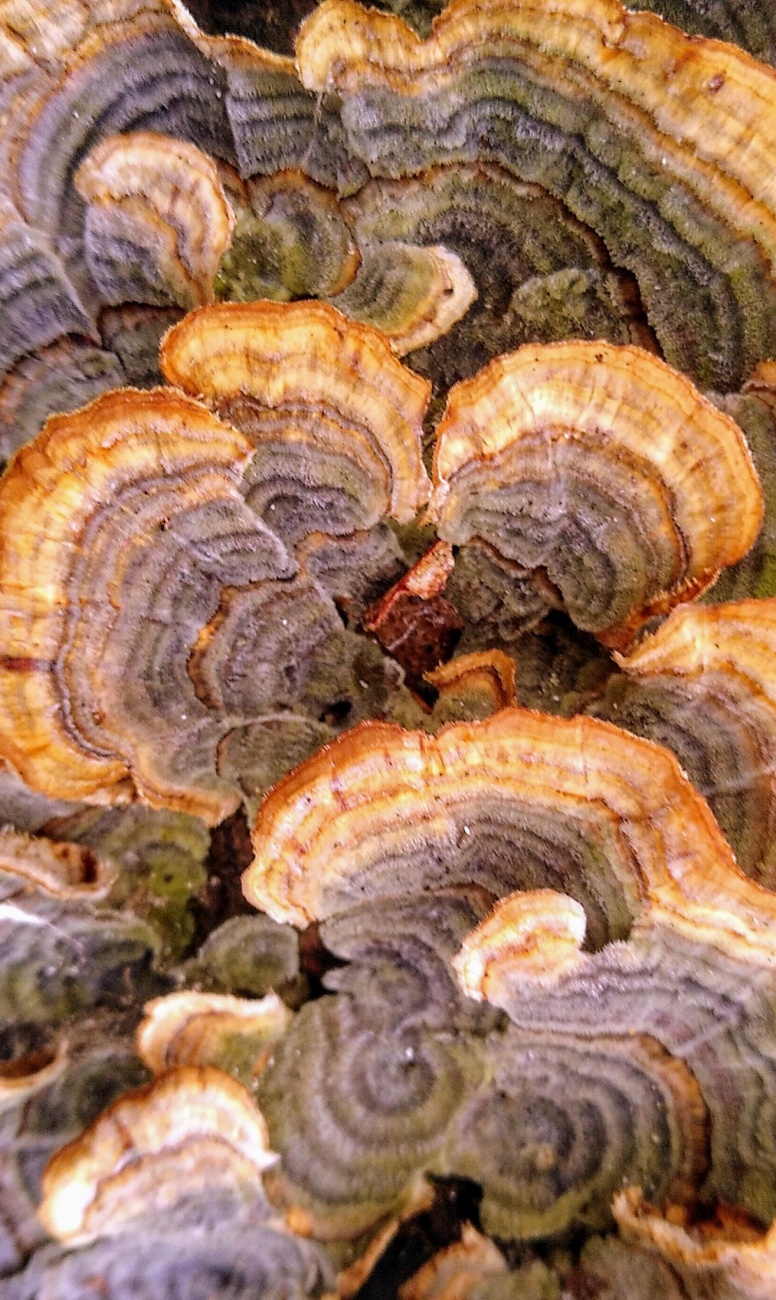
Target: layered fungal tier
[
  {"x": 602, "y": 469},
  {"x": 161, "y": 638},
  {"x": 268, "y": 591},
  {"x": 618, "y": 115},
  {"x": 703, "y": 686},
  {"x": 305, "y": 385},
  {"x": 632, "y": 935}
]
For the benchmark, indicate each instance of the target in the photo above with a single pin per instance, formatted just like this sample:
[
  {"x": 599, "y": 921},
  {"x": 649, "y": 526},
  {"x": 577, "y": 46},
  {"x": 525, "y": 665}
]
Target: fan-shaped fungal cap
[
  {"x": 59, "y": 870},
  {"x": 473, "y": 686},
  {"x": 157, "y": 222},
  {"x": 705, "y": 685},
  {"x": 290, "y": 241},
  {"x": 159, "y": 640},
  {"x": 155, "y": 461},
  {"x": 306, "y": 384},
  {"x": 603, "y": 467},
  {"x": 701, "y": 638},
  {"x": 413, "y": 295},
  {"x": 191, "y": 1130},
  {"x": 190, "y": 1028},
  {"x": 539, "y": 932},
  {"x": 20, "y": 1079},
  {"x": 383, "y": 811},
  {"x": 250, "y": 953},
  {"x": 729, "y": 1257},
  {"x": 694, "y": 119},
  {"x": 360, "y": 1092}
]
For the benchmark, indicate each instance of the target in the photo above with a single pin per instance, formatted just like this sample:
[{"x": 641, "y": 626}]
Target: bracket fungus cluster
[
  {"x": 602, "y": 468},
  {"x": 613, "y": 847},
  {"x": 358, "y": 538},
  {"x": 170, "y": 598}
]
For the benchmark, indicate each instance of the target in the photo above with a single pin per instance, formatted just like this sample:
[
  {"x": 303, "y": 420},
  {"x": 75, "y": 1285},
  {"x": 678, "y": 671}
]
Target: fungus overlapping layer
[
  {"x": 166, "y": 1184},
  {"x": 197, "y": 1122},
  {"x": 158, "y": 858},
  {"x": 72, "y": 79},
  {"x": 674, "y": 1254},
  {"x": 161, "y": 637},
  {"x": 603, "y": 469},
  {"x": 548, "y": 975},
  {"x": 618, "y": 115},
  {"x": 89, "y": 1072},
  {"x": 157, "y": 221},
  {"x": 233, "y": 1034},
  {"x": 703, "y": 685},
  {"x": 62, "y": 947},
  {"x": 612, "y": 846},
  {"x": 600, "y": 180},
  {"x": 540, "y": 274},
  {"x": 302, "y": 382}
]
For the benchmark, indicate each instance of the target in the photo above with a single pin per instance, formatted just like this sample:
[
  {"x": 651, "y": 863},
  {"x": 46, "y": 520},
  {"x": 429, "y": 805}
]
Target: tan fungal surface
[
  {"x": 614, "y": 851},
  {"x": 303, "y": 382},
  {"x": 603, "y": 469},
  {"x": 189, "y": 1028},
  {"x": 725, "y": 1256},
  {"x": 528, "y": 957},
  {"x": 539, "y": 932},
  {"x": 161, "y": 640},
  {"x": 67, "y": 871},
  {"x": 703, "y": 685},
  {"x": 192, "y": 1129},
  {"x": 634, "y": 127},
  {"x": 360, "y": 793},
  {"x": 158, "y": 221}
]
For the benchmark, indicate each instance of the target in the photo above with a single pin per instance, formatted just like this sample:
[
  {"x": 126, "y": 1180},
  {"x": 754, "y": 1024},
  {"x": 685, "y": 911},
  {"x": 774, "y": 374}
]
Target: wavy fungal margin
[
  {"x": 662, "y": 143},
  {"x": 383, "y": 811},
  {"x": 603, "y": 467}
]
